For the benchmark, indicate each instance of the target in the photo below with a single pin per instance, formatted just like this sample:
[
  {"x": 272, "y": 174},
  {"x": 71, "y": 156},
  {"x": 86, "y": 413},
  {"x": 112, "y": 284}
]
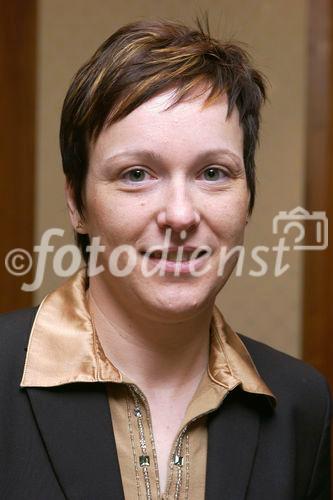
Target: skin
[{"x": 156, "y": 329}]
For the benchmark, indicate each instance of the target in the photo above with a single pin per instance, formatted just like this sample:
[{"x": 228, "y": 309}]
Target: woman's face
[{"x": 176, "y": 173}]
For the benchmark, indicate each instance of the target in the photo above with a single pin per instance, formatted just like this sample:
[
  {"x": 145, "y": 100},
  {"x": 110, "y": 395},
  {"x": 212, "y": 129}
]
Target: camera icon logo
[{"x": 302, "y": 220}]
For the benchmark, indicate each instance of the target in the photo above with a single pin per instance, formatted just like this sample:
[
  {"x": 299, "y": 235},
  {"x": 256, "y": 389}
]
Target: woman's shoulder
[
  {"x": 15, "y": 328},
  {"x": 14, "y": 324},
  {"x": 289, "y": 378}
]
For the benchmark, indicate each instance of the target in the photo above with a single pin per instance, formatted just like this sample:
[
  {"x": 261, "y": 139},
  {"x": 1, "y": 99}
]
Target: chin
[{"x": 178, "y": 304}]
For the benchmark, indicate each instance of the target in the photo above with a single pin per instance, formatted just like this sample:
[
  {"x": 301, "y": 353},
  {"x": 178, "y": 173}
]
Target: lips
[
  {"x": 174, "y": 256},
  {"x": 175, "y": 261},
  {"x": 177, "y": 254}
]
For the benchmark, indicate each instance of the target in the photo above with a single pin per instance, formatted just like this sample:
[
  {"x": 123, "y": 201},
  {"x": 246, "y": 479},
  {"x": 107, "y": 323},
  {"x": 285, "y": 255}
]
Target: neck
[{"x": 156, "y": 355}]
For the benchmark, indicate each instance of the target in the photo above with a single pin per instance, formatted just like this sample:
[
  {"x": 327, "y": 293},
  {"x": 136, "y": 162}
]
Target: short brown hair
[{"x": 141, "y": 60}]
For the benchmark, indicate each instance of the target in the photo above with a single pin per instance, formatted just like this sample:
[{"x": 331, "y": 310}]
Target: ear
[
  {"x": 248, "y": 215},
  {"x": 75, "y": 218}
]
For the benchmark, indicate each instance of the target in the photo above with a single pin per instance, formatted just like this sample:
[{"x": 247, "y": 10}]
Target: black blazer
[{"x": 58, "y": 443}]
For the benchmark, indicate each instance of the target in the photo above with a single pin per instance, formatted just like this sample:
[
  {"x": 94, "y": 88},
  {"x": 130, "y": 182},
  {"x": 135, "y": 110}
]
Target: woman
[{"x": 133, "y": 385}]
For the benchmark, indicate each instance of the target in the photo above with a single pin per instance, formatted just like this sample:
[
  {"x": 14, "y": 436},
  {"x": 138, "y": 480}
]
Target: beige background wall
[{"x": 265, "y": 308}]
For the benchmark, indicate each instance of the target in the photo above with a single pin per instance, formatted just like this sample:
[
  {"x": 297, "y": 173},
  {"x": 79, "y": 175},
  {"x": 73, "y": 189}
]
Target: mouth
[
  {"x": 180, "y": 254},
  {"x": 177, "y": 260}
]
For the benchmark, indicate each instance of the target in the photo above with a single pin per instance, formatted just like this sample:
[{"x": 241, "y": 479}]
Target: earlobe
[
  {"x": 247, "y": 218},
  {"x": 75, "y": 218}
]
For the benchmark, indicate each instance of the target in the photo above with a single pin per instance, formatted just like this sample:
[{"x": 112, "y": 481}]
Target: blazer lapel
[
  {"x": 232, "y": 441},
  {"x": 76, "y": 427}
]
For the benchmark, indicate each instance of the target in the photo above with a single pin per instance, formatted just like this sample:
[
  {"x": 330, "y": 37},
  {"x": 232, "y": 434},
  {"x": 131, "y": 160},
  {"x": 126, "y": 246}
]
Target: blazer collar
[
  {"x": 233, "y": 433},
  {"x": 76, "y": 427}
]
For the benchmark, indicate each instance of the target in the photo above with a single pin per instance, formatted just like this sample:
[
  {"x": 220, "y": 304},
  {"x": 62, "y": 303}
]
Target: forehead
[{"x": 179, "y": 132}]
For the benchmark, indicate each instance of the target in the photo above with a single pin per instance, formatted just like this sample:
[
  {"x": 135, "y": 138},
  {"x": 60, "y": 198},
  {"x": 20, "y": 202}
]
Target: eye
[
  {"x": 213, "y": 174},
  {"x": 136, "y": 175}
]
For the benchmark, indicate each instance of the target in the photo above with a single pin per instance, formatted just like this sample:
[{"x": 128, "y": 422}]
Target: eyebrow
[{"x": 149, "y": 155}]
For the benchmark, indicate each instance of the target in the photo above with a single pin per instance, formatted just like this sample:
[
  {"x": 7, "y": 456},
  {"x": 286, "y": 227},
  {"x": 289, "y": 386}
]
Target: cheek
[
  {"x": 115, "y": 219},
  {"x": 230, "y": 217},
  {"x": 100, "y": 214}
]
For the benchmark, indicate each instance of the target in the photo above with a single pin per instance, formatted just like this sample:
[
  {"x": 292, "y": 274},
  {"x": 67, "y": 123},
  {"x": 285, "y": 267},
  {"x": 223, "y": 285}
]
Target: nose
[{"x": 178, "y": 211}]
